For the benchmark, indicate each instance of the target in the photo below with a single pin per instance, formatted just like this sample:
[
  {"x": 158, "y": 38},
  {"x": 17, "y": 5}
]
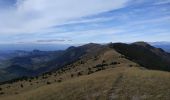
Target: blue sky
[{"x": 83, "y": 21}]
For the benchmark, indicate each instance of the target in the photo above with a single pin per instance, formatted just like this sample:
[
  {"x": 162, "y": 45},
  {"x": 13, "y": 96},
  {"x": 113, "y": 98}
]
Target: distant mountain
[
  {"x": 30, "y": 47},
  {"x": 94, "y": 72},
  {"x": 6, "y": 55},
  {"x": 163, "y": 45},
  {"x": 145, "y": 55},
  {"x": 38, "y": 62},
  {"x": 25, "y": 63}
]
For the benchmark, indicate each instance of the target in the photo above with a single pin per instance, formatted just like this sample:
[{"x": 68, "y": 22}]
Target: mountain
[
  {"x": 102, "y": 72},
  {"x": 145, "y": 55},
  {"x": 29, "y": 62},
  {"x": 6, "y": 55},
  {"x": 163, "y": 45},
  {"x": 38, "y": 62}
]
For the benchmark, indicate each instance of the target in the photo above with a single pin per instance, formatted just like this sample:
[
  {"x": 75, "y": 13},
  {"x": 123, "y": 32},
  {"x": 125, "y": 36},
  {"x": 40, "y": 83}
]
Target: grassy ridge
[{"x": 121, "y": 83}]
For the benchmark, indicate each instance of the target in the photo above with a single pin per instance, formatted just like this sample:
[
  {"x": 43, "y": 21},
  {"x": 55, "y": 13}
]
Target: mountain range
[
  {"x": 115, "y": 70},
  {"x": 32, "y": 63}
]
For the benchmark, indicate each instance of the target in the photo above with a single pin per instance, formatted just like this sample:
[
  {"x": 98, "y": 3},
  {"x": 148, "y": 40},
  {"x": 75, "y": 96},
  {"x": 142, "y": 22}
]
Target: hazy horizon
[{"x": 54, "y": 47}]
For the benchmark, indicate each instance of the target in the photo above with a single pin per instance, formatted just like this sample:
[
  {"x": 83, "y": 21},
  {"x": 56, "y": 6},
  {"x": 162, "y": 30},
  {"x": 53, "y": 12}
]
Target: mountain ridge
[
  {"x": 97, "y": 71},
  {"x": 58, "y": 59}
]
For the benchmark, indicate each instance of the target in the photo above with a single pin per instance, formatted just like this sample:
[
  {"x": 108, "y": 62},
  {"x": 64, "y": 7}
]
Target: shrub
[
  {"x": 100, "y": 65},
  {"x": 72, "y": 75},
  {"x": 49, "y": 73},
  {"x": 95, "y": 57},
  {"x": 8, "y": 86},
  {"x": 90, "y": 72},
  {"x": 89, "y": 69},
  {"x": 103, "y": 61},
  {"x": 36, "y": 77},
  {"x": 81, "y": 62},
  {"x": 130, "y": 65},
  {"x": 2, "y": 93},
  {"x": 79, "y": 74},
  {"x": 44, "y": 77},
  {"x": 59, "y": 80},
  {"x": 48, "y": 83},
  {"x": 31, "y": 78},
  {"x": 114, "y": 63},
  {"x": 21, "y": 85}
]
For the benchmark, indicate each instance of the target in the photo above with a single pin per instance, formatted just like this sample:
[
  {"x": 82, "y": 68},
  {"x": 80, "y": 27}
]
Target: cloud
[
  {"x": 30, "y": 16},
  {"x": 162, "y": 2},
  {"x": 61, "y": 21},
  {"x": 52, "y": 40}
]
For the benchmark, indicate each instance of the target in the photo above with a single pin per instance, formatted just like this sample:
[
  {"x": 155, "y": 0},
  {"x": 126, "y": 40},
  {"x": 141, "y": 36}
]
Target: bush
[
  {"x": 8, "y": 86},
  {"x": 79, "y": 74},
  {"x": 72, "y": 75},
  {"x": 95, "y": 58},
  {"x": 21, "y": 85},
  {"x": 48, "y": 83},
  {"x": 103, "y": 61},
  {"x": 90, "y": 72},
  {"x": 2, "y": 93},
  {"x": 49, "y": 73},
  {"x": 114, "y": 63},
  {"x": 100, "y": 65},
  {"x": 59, "y": 80},
  {"x": 81, "y": 62},
  {"x": 44, "y": 77},
  {"x": 130, "y": 65},
  {"x": 36, "y": 77}
]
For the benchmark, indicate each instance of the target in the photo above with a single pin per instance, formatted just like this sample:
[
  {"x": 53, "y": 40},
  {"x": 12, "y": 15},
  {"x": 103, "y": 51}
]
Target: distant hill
[
  {"x": 101, "y": 72},
  {"x": 38, "y": 62},
  {"x": 145, "y": 55},
  {"x": 163, "y": 45}
]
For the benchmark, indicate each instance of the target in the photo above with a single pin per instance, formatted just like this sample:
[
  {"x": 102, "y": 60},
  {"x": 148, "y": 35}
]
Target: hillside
[
  {"x": 102, "y": 72},
  {"x": 121, "y": 83},
  {"x": 93, "y": 61},
  {"x": 145, "y": 55},
  {"x": 38, "y": 62}
]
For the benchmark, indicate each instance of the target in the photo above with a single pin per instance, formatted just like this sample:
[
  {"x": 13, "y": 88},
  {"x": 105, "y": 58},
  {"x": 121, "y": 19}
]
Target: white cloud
[
  {"x": 162, "y": 2},
  {"x": 30, "y": 16}
]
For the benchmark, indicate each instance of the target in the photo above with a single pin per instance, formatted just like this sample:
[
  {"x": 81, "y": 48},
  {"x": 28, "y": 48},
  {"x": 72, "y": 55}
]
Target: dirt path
[{"x": 112, "y": 93}]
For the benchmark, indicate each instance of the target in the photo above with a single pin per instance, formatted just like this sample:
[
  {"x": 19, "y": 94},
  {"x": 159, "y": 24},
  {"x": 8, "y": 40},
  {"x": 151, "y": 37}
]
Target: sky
[{"x": 83, "y": 21}]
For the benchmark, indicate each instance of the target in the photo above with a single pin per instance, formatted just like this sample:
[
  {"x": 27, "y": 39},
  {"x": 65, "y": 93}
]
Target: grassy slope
[
  {"x": 120, "y": 83},
  {"x": 89, "y": 62}
]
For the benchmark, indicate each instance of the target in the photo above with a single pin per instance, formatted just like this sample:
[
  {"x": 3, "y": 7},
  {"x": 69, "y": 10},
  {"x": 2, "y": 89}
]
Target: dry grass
[
  {"x": 86, "y": 87},
  {"x": 117, "y": 82},
  {"x": 121, "y": 83}
]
